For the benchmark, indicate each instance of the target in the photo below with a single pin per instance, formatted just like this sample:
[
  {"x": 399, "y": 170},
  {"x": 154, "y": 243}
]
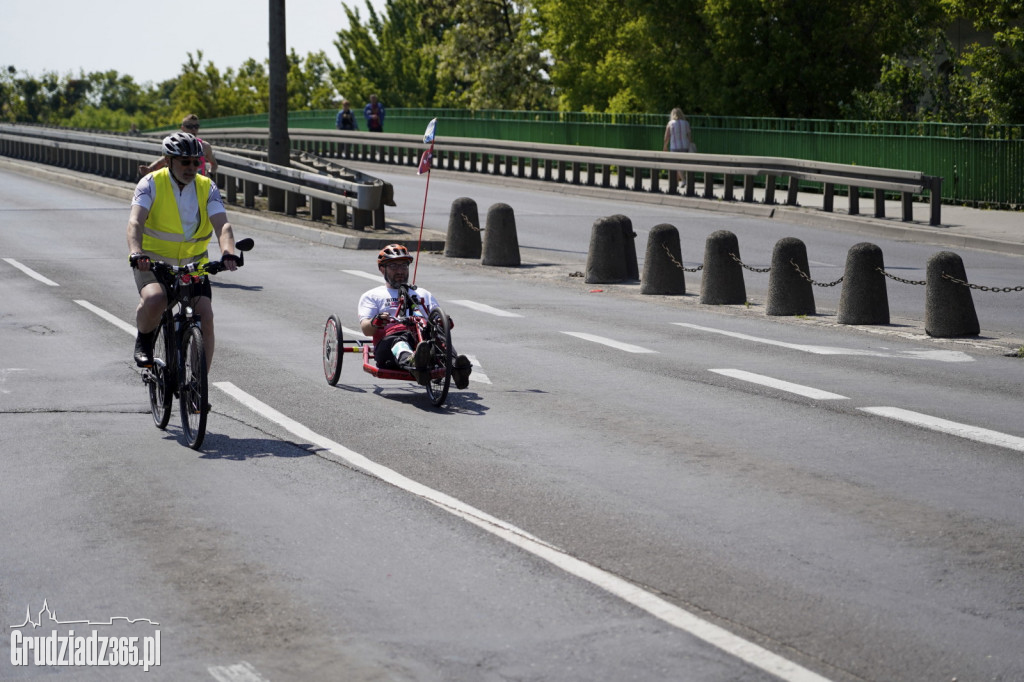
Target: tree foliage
[{"x": 869, "y": 59}]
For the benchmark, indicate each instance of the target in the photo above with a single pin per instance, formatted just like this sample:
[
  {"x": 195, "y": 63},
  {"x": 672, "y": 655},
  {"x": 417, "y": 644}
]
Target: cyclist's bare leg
[
  {"x": 204, "y": 306},
  {"x": 152, "y": 302}
]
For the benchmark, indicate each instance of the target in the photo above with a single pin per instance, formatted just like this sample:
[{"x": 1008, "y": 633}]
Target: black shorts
[
  {"x": 143, "y": 278},
  {"x": 383, "y": 355}
]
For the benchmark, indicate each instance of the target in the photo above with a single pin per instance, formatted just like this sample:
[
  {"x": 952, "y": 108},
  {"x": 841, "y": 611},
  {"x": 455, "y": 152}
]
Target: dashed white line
[
  {"x": 628, "y": 347},
  {"x": 656, "y": 606},
  {"x": 799, "y": 389},
  {"x": 484, "y": 308},
  {"x": 116, "y": 321},
  {"x": 31, "y": 273},
  {"x": 938, "y": 355},
  {"x": 974, "y": 433},
  {"x": 477, "y": 375},
  {"x": 239, "y": 672},
  {"x": 365, "y": 275}
]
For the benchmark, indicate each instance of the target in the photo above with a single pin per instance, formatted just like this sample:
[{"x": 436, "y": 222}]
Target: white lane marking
[
  {"x": 354, "y": 334},
  {"x": 32, "y": 273},
  {"x": 806, "y": 391},
  {"x": 974, "y": 433},
  {"x": 937, "y": 355},
  {"x": 239, "y": 672},
  {"x": 3, "y": 376},
  {"x": 484, "y": 308},
  {"x": 477, "y": 375},
  {"x": 376, "y": 277},
  {"x": 117, "y": 322},
  {"x": 629, "y": 348},
  {"x": 670, "y": 613}
]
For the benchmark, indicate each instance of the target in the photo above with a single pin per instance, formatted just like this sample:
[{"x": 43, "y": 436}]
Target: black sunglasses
[
  {"x": 192, "y": 126},
  {"x": 190, "y": 162}
]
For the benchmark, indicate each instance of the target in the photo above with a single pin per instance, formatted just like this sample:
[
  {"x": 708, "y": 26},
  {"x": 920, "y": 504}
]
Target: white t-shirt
[
  {"x": 679, "y": 135},
  {"x": 385, "y": 299},
  {"x": 188, "y": 202}
]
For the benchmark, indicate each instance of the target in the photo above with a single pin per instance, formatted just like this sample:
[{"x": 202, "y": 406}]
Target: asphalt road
[{"x": 631, "y": 488}]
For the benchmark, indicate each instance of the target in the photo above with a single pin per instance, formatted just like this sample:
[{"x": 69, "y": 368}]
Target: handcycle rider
[
  {"x": 392, "y": 340},
  {"x": 175, "y": 212}
]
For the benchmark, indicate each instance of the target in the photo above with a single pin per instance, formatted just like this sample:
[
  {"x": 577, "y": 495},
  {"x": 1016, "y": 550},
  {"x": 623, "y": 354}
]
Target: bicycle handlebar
[{"x": 211, "y": 267}]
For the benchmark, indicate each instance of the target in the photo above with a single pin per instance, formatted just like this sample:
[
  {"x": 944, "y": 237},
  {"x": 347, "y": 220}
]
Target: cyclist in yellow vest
[{"x": 175, "y": 212}]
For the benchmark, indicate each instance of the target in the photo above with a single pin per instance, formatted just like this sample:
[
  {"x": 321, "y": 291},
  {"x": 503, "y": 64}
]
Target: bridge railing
[
  {"x": 722, "y": 177},
  {"x": 118, "y": 157}
]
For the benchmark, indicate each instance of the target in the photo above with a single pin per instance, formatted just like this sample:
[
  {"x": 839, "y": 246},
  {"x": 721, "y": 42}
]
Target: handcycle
[
  {"x": 432, "y": 327},
  {"x": 179, "y": 357}
]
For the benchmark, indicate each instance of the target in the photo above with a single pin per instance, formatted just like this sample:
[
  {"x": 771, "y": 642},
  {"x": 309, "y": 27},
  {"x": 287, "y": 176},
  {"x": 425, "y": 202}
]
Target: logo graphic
[{"x": 93, "y": 649}]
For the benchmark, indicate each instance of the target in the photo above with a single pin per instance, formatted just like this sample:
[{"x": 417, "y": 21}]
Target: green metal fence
[{"x": 981, "y": 165}]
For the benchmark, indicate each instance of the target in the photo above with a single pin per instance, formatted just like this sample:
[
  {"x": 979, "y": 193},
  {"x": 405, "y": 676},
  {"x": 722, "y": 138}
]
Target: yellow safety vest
[{"x": 163, "y": 237}]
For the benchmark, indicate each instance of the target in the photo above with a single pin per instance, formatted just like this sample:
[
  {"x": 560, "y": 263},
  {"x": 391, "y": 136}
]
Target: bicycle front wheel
[
  {"x": 193, "y": 390},
  {"x": 333, "y": 350},
  {"x": 159, "y": 379}
]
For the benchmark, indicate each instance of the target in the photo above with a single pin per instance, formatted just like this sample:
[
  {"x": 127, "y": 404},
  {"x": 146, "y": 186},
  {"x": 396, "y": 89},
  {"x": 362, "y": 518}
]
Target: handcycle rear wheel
[
  {"x": 193, "y": 390},
  {"x": 161, "y": 380},
  {"x": 333, "y": 350},
  {"x": 439, "y": 334}
]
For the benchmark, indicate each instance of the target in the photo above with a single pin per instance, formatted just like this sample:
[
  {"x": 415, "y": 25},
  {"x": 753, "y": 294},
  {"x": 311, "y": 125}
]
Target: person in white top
[
  {"x": 678, "y": 136},
  {"x": 392, "y": 341}
]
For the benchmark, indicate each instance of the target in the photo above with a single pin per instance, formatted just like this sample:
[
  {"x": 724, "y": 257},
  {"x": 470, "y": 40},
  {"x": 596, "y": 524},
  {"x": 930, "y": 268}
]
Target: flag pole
[{"x": 425, "y": 163}]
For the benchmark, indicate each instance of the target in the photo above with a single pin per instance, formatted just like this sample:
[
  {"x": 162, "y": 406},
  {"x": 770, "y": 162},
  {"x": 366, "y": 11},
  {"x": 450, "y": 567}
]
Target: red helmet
[{"x": 392, "y": 253}]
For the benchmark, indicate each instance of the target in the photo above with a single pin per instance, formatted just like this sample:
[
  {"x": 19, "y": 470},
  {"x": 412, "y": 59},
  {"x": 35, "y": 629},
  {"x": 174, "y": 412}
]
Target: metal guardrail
[
  {"x": 119, "y": 156},
  {"x": 619, "y": 168}
]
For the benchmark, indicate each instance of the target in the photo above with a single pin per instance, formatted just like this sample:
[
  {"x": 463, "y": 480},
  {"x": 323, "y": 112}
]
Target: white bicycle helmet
[{"x": 182, "y": 144}]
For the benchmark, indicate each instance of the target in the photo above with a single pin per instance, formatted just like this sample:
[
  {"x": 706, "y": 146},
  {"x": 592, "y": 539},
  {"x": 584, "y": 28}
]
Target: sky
[{"x": 148, "y": 41}]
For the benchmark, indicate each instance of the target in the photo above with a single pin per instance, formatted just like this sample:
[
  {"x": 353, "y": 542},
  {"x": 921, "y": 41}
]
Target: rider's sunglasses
[
  {"x": 189, "y": 162},
  {"x": 192, "y": 126}
]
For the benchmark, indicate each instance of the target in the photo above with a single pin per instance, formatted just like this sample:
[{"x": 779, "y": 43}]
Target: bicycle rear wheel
[
  {"x": 159, "y": 378},
  {"x": 193, "y": 390},
  {"x": 333, "y": 350},
  {"x": 440, "y": 337}
]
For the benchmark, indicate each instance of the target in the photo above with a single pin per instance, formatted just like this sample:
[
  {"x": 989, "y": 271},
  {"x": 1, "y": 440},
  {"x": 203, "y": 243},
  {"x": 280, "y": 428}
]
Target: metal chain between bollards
[
  {"x": 981, "y": 287},
  {"x": 469, "y": 223},
  {"x": 808, "y": 277},
  {"x": 900, "y": 279},
  {"x": 678, "y": 264},
  {"x": 742, "y": 264}
]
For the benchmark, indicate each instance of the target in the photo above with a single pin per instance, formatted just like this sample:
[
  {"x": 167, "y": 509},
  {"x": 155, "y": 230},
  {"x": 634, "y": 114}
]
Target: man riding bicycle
[
  {"x": 392, "y": 340},
  {"x": 175, "y": 212}
]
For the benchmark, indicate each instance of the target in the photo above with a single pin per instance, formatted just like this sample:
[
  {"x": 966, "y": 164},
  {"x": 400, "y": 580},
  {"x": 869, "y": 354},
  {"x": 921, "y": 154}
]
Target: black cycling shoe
[
  {"x": 421, "y": 358},
  {"x": 461, "y": 369},
  {"x": 144, "y": 349}
]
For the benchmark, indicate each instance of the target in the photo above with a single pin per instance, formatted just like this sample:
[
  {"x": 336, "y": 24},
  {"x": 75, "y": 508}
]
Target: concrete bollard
[
  {"x": 864, "y": 299},
  {"x": 501, "y": 243},
  {"x": 463, "y": 230},
  {"x": 722, "y": 283},
  {"x": 788, "y": 292},
  {"x": 629, "y": 247},
  {"x": 606, "y": 259},
  {"x": 662, "y": 274},
  {"x": 949, "y": 308}
]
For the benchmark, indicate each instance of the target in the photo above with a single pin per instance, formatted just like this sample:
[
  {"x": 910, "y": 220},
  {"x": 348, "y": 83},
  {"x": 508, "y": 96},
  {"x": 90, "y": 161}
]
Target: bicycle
[
  {"x": 179, "y": 357},
  {"x": 434, "y": 327}
]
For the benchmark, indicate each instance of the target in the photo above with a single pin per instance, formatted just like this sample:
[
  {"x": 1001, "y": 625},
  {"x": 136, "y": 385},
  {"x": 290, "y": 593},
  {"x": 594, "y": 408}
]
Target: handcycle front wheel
[
  {"x": 193, "y": 390},
  {"x": 333, "y": 350},
  {"x": 160, "y": 380},
  {"x": 439, "y": 334}
]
